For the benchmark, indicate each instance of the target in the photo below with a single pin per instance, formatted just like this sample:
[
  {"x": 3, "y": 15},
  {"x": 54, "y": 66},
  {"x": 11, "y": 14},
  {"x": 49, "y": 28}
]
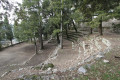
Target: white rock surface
[
  {"x": 82, "y": 70},
  {"x": 106, "y": 61},
  {"x": 54, "y": 70},
  {"x": 21, "y": 76},
  {"x": 106, "y": 42},
  {"x": 49, "y": 69},
  {"x": 73, "y": 45},
  {"x": 4, "y": 74},
  {"x": 20, "y": 69},
  {"x": 99, "y": 56}
]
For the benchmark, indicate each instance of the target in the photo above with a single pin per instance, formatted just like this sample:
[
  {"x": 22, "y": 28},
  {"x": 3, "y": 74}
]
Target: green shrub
[
  {"x": 49, "y": 65},
  {"x": 38, "y": 67}
]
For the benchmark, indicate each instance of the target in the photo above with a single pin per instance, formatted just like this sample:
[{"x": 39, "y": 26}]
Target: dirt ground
[
  {"x": 16, "y": 54},
  {"x": 68, "y": 55},
  {"x": 22, "y": 53},
  {"x": 42, "y": 55}
]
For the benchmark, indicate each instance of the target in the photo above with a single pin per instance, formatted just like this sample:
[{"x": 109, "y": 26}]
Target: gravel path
[
  {"x": 35, "y": 60},
  {"x": 15, "y": 55}
]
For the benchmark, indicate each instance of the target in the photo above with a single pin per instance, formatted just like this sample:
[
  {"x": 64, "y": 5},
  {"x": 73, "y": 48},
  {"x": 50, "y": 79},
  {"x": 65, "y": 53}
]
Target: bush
[
  {"x": 49, "y": 65},
  {"x": 116, "y": 28}
]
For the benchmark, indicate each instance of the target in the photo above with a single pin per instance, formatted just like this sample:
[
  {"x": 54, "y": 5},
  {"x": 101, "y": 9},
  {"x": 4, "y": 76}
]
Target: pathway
[
  {"x": 15, "y": 55},
  {"x": 21, "y": 53}
]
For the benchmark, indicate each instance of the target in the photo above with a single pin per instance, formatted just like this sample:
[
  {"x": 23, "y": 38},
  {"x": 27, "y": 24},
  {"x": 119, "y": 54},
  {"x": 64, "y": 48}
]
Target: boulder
[
  {"x": 82, "y": 70},
  {"x": 106, "y": 61},
  {"x": 99, "y": 56},
  {"x": 54, "y": 70}
]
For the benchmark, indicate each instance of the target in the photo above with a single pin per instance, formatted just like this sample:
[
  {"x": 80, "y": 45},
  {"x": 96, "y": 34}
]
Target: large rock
[
  {"x": 106, "y": 61},
  {"x": 99, "y": 56},
  {"x": 54, "y": 70},
  {"x": 82, "y": 70}
]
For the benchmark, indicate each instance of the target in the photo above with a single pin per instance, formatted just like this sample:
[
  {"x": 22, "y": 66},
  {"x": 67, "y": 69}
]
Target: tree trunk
[
  {"x": 11, "y": 42},
  {"x": 58, "y": 40},
  {"x": 57, "y": 35},
  {"x": 36, "y": 51},
  {"x": 66, "y": 31},
  {"x": 74, "y": 27},
  {"x": 40, "y": 39},
  {"x": 31, "y": 39},
  {"x": 69, "y": 26},
  {"x": 0, "y": 46},
  {"x": 40, "y": 29},
  {"x": 100, "y": 27},
  {"x": 91, "y": 30},
  {"x": 61, "y": 39}
]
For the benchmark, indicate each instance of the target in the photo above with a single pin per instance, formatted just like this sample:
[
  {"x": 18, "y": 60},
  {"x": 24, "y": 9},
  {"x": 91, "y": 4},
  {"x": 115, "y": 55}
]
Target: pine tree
[{"x": 100, "y": 8}]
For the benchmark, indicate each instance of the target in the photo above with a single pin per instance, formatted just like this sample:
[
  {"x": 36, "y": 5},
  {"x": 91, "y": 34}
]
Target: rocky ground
[
  {"x": 25, "y": 49},
  {"x": 64, "y": 64}
]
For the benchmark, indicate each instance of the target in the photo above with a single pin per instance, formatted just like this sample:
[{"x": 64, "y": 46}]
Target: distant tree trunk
[
  {"x": 0, "y": 46},
  {"x": 61, "y": 39},
  {"x": 11, "y": 42},
  {"x": 0, "y": 43},
  {"x": 57, "y": 35},
  {"x": 100, "y": 27},
  {"x": 31, "y": 39},
  {"x": 58, "y": 40},
  {"x": 40, "y": 29},
  {"x": 36, "y": 51},
  {"x": 66, "y": 31},
  {"x": 61, "y": 28},
  {"x": 40, "y": 39},
  {"x": 91, "y": 30},
  {"x": 74, "y": 27},
  {"x": 69, "y": 26}
]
